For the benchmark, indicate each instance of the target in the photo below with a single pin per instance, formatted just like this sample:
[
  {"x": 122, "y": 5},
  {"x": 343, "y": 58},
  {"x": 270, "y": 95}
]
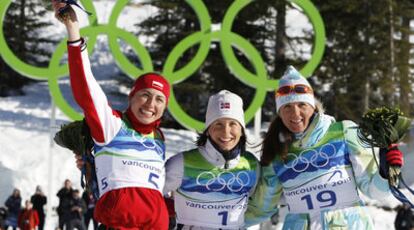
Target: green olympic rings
[
  {"x": 23, "y": 68},
  {"x": 228, "y": 40},
  {"x": 204, "y": 37}
]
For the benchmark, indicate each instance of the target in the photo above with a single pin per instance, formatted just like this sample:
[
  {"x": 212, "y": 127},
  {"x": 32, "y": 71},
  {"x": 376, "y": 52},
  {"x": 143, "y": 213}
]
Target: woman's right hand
[
  {"x": 79, "y": 162},
  {"x": 68, "y": 18}
]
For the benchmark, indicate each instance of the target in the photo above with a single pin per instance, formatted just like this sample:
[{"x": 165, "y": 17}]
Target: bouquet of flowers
[
  {"x": 75, "y": 136},
  {"x": 382, "y": 127}
]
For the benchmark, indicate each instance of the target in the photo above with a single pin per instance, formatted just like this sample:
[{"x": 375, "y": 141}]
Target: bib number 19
[{"x": 325, "y": 199}]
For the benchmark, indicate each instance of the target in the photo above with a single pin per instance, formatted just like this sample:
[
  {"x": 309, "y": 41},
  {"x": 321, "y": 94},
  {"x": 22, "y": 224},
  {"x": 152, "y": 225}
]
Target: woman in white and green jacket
[
  {"x": 211, "y": 184},
  {"x": 317, "y": 164}
]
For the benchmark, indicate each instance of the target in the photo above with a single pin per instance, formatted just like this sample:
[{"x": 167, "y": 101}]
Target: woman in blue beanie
[{"x": 316, "y": 164}]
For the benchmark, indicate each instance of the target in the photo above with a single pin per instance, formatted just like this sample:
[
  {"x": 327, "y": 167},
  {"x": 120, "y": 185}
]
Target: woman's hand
[
  {"x": 394, "y": 156},
  {"x": 68, "y": 18},
  {"x": 390, "y": 157},
  {"x": 79, "y": 162}
]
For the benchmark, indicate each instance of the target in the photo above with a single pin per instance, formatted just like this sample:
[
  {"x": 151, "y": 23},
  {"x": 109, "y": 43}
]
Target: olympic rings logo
[
  {"x": 146, "y": 142},
  {"x": 228, "y": 40},
  {"x": 224, "y": 180},
  {"x": 317, "y": 159}
]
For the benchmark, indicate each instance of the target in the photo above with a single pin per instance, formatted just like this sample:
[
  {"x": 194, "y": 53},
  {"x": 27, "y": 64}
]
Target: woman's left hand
[
  {"x": 394, "y": 156},
  {"x": 79, "y": 162}
]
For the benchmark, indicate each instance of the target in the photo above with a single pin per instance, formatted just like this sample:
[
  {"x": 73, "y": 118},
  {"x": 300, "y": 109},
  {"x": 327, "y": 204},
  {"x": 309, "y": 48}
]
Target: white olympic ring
[
  {"x": 235, "y": 180},
  {"x": 142, "y": 141},
  {"x": 300, "y": 163}
]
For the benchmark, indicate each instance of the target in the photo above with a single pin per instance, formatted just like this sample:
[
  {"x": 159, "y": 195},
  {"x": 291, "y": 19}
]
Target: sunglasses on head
[{"x": 298, "y": 89}]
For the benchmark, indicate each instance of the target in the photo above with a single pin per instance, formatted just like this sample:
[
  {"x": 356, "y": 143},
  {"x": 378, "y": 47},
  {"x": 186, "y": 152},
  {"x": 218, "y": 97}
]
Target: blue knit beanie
[{"x": 291, "y": 78}]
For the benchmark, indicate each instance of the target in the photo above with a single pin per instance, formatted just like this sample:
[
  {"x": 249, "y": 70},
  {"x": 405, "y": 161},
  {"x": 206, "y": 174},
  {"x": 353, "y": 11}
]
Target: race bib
[
  {"x": 222, "y": 214},
  {"x": 119, "y": 171},
  {"x": 323, "y": 192}
]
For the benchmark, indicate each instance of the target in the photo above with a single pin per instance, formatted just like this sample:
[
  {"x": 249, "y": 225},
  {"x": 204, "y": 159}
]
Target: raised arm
[{"x": 102, "y": 120}]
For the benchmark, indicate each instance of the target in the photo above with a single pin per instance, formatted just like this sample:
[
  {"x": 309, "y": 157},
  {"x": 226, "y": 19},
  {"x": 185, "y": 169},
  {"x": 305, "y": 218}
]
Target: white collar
[{"x": 214, "y": 157}]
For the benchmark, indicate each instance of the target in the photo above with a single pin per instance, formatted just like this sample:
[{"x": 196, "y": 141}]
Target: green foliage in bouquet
[
  {"x": 75, "y": 136},
  {"x": 383, "y": 126}
]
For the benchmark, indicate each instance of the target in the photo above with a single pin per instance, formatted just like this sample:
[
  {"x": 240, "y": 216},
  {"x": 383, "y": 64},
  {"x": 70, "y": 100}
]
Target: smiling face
[
  {"x": 148, "y": 105},
  {"x": 296, "y": 116},
  {"x": 225, "y": 133}
]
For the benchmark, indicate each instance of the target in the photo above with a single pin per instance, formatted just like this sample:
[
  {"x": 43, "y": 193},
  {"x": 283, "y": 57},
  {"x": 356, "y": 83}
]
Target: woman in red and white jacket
[{"x": 129, "y": 147}]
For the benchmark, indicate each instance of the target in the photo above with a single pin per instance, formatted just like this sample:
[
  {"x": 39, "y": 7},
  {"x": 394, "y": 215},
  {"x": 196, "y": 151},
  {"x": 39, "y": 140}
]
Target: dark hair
[
  {"x": 203, "y": 137},
  {"x": 272, "y": 144}
]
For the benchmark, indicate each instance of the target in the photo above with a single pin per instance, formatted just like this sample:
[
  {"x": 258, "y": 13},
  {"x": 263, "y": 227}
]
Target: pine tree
[
  {"x": 172, "y": 22},
  {"x": 23, "y": 25},
  {"x": 358, "y": 58},
  {"x": 265, "y": 25},
  {"x": 404, "y": 13}
]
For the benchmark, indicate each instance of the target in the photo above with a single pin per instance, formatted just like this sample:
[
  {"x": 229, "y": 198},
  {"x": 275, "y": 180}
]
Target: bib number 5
[{"x": 151, "y": 178}]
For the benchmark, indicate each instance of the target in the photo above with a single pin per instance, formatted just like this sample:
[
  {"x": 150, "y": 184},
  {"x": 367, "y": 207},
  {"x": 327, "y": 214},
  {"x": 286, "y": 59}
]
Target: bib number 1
[{"x": 224, "y": 218}]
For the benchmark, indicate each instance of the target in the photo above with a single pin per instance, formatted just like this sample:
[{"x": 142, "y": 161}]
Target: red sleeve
[{"x": 103, "y": 122}]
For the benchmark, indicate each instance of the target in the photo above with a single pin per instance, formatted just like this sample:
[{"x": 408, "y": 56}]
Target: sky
[{"x": 29, "y": 158}]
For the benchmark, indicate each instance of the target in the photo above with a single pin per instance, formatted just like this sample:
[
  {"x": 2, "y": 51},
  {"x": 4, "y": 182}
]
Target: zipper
[{"x": 226, "y": 165}]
